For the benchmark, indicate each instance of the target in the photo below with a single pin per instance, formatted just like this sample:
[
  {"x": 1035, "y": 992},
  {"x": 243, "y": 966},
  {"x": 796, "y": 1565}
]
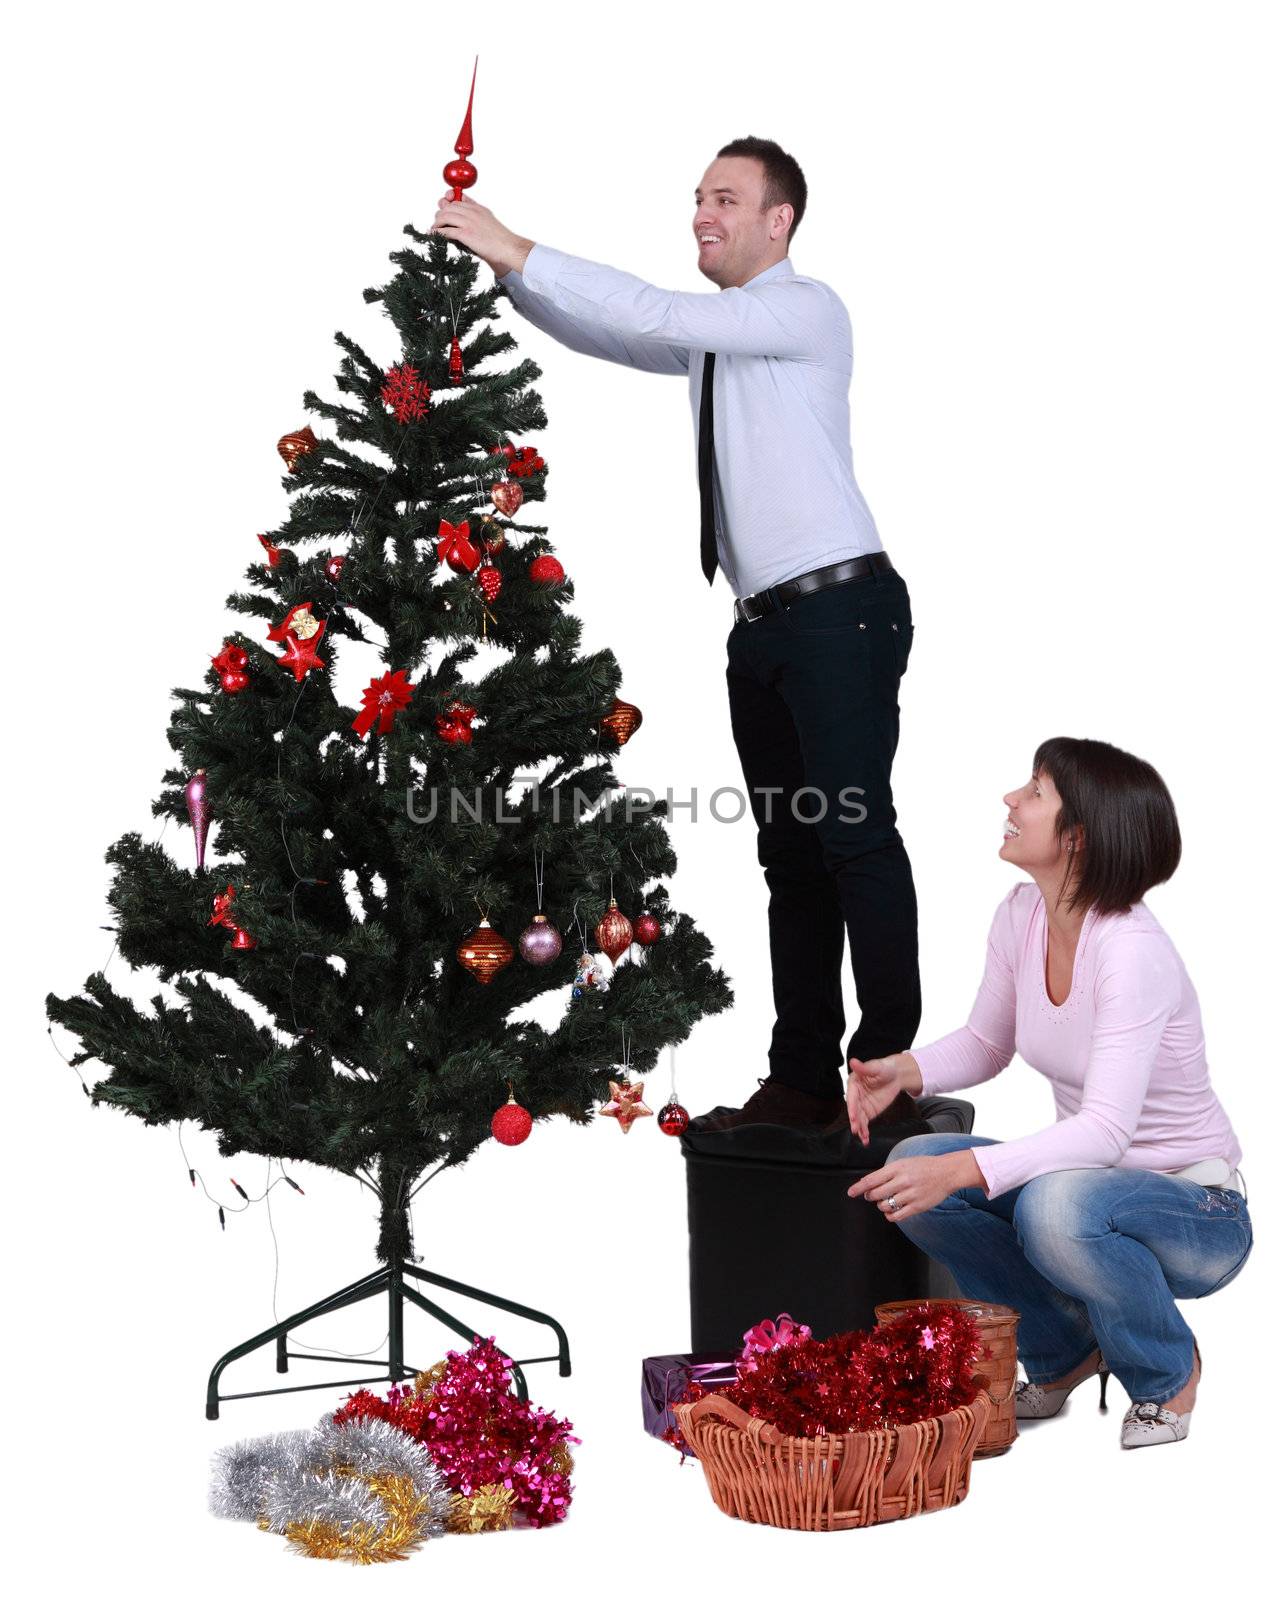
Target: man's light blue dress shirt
[{"x": 786, "y": 497}]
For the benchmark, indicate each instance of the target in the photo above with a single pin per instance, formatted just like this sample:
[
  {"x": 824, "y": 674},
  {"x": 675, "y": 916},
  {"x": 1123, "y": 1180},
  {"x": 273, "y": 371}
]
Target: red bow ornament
[{"x": 455, "y": 547}]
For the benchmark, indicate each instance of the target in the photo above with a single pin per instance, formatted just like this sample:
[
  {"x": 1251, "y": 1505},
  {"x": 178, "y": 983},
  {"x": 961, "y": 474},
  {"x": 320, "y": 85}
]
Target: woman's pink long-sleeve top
[{"x": 1124, "y": 1052}]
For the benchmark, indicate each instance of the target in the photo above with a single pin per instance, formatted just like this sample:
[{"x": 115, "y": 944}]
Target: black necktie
[{"x": 706, "y": 486}]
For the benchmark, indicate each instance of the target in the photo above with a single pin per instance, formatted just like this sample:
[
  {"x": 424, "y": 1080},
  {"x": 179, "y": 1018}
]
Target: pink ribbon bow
[{"x": 768, "y": 1335}]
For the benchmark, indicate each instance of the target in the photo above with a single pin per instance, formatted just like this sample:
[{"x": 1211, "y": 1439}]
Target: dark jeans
[{"x": 813, "y": 704}]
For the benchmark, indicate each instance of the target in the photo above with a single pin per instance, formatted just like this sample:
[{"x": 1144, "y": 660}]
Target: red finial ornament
[{"x": 459, "y": 175}]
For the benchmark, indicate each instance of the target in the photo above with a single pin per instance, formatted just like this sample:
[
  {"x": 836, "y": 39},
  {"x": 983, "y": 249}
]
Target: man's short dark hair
[
  {"x": 1131, "y": 838},
  {"x": 783, "y": 180}
]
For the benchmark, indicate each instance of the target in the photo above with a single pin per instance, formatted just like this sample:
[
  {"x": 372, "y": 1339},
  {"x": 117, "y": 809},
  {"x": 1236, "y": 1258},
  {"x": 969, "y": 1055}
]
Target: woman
[{"x": 1090, "y": 1227}]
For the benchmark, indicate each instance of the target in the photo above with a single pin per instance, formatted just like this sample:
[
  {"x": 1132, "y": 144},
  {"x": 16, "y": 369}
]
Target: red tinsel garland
[
  {"x": 915, "y": 1366},
  {"x": 478, "y": 1432}
]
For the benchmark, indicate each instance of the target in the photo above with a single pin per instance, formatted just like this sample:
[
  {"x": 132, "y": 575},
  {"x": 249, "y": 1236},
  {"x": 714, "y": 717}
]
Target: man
[{"x": 822, "y": 627}]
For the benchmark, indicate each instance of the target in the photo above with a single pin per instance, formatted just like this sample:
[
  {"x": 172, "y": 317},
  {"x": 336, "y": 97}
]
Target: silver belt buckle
[{"x": 740, "y": 606}]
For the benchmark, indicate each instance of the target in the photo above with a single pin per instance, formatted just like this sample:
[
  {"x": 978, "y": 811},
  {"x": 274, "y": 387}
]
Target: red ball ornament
[
  {"x": 489, "y": 579},
  {"x": 614, "y": 932},
  {"x": 646, "y": 929},
  {"x": 546, "y": 570},
  {"x": 491, "y": 537},
  {"x": 231, "y": 666},
  {"x": 334, "y": 568},
  {"x": 674, "y": 1119},
  {"x": 511, "y": 1123},
  {"x": 460, "y": 174},
  {"x": 507, "y": 497}
]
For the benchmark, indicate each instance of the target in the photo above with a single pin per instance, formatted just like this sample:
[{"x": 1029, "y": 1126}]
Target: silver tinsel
[
  {"x": 291, "y": 1477},
  {"x": 238, "y": 1470}
]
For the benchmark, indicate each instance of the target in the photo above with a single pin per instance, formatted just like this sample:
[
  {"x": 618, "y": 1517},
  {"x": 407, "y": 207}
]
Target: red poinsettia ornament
[{"x": 381, "y": 700}]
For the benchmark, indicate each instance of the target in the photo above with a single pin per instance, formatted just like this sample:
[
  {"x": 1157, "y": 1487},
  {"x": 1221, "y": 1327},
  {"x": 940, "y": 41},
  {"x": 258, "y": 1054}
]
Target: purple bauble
[
  {"x": 198, "y": 799},
  {"x": 540, "y": 942}
]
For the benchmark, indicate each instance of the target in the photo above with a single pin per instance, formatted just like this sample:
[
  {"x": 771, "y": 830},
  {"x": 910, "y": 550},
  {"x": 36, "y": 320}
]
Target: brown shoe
[{"x": 778, "y": 1104}]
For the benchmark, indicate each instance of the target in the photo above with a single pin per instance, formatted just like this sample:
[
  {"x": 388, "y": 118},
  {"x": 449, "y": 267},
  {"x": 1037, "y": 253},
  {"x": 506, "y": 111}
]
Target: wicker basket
[
  {"x": 998, "y": 1362},
  {"x": 835, "y": 1480}
]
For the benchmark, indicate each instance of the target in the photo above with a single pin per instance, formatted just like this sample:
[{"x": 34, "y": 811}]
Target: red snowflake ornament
[{"x": 405, "y": 394}]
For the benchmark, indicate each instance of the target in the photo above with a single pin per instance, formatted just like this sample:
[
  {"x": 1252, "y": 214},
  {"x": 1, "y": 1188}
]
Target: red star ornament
[
  {"x": 625, "y": 1103},
  {"x": 300, "y": 654}
]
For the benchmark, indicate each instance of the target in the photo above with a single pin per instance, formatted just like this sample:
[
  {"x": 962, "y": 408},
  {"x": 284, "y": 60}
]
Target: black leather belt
[{"x": 751, "y": 606}]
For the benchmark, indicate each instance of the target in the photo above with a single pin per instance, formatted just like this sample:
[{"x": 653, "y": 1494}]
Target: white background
[{"x": 1043, "y": 220}]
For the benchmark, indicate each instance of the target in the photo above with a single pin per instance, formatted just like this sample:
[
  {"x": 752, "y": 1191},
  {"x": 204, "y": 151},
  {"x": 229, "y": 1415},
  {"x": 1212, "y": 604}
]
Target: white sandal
[
  {"x": 1033, "y": 1400},
  {"x": 1145, "y": 1422}
]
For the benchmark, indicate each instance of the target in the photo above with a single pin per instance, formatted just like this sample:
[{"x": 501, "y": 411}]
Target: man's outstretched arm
[
  {"x": 782, "y": 318},
  {"x": 593, "y": 338},
  {"x": 506, "y": 254}
]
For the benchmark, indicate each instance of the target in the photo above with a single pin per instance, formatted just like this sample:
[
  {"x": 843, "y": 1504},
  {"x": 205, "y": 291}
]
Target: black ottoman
[{"x": 772, "y": 1228}]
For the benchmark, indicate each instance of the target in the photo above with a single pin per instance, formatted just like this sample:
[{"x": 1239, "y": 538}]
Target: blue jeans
[{"x": 1089, "y": 1257}]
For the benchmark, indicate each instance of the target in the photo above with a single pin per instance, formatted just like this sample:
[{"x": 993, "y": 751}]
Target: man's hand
[
  {"x": 475, "y": 227},
  {"x": 918, "y": 1182}
]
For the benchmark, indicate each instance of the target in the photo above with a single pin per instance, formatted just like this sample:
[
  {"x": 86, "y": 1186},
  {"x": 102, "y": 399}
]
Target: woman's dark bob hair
[{"x": 1123, "y": 813}]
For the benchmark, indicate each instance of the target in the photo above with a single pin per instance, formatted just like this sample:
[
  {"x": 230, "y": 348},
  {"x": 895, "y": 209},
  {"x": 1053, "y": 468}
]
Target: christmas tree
[{"x": 333, "y": 993}]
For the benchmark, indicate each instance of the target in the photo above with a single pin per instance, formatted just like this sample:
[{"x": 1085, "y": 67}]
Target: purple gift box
[{"x": 664, "y": 1380}]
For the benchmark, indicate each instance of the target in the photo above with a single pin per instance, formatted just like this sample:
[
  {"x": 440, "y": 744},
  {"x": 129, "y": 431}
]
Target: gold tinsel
[
  {"x": 487, "y": 1510},
  {"x": 561, "y": 1459},
  {"x": 363, "y": 1542},
  {"x": 424, "y": 1383}
]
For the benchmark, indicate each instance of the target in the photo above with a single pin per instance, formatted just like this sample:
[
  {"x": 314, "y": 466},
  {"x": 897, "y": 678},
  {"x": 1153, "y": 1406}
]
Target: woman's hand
[
  {"x": 916, "y": 1183},
  {"x": 482, "y": 233},
  {"x": 873, "y": 1085}
]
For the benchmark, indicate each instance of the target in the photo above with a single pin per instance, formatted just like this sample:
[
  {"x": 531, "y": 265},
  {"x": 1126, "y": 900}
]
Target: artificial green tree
[{"x": 337, "y": 1025}]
